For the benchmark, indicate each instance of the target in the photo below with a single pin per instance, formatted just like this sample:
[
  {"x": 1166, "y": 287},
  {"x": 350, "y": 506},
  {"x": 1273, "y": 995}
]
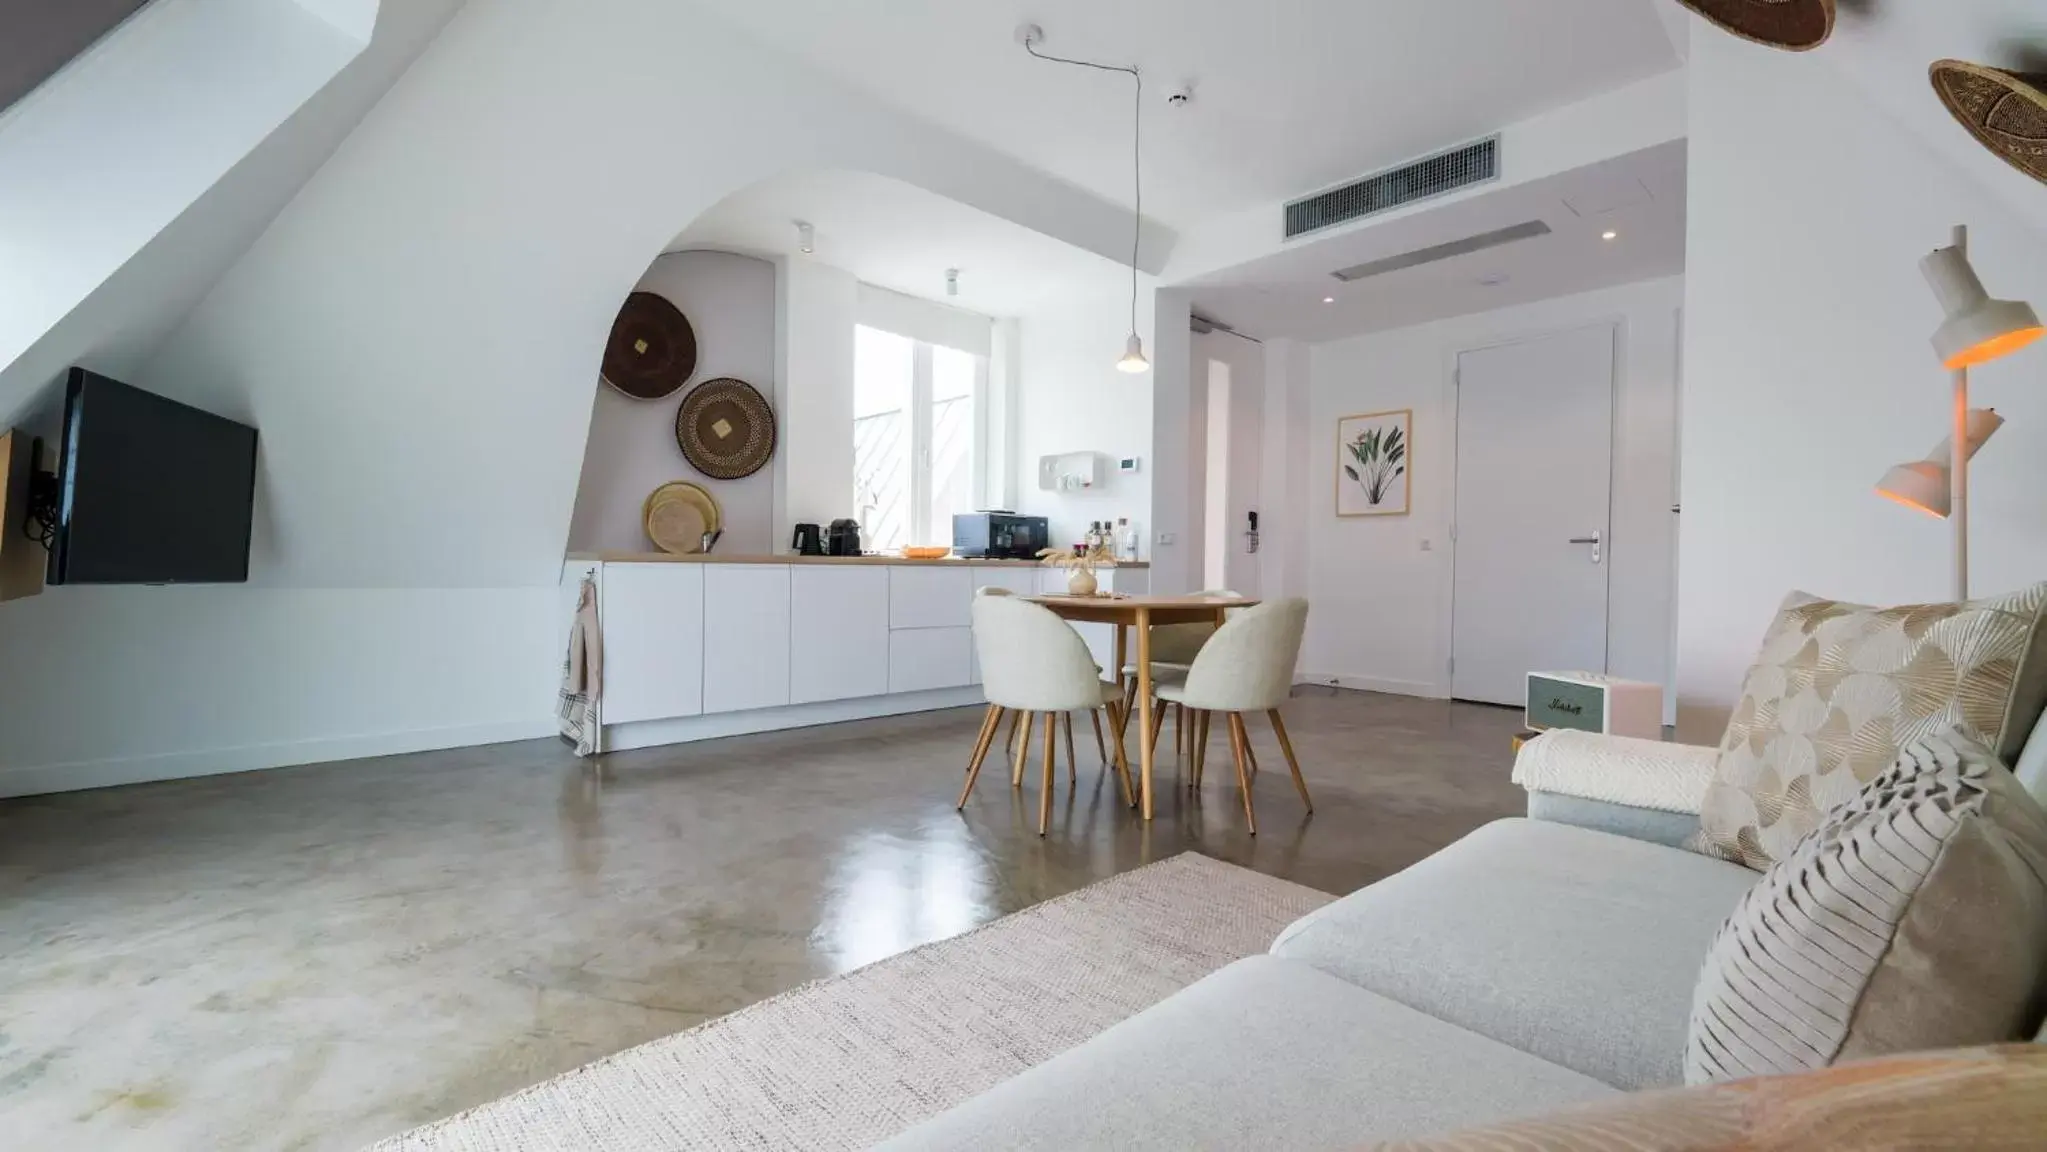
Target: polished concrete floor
[{"x": 317, "y": 957}]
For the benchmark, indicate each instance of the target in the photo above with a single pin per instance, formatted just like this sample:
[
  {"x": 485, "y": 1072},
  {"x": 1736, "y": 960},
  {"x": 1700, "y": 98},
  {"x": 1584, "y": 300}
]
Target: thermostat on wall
[{"x": 1127, "y": 464}]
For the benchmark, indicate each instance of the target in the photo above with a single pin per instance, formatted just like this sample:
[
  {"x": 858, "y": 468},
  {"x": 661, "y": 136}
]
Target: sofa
[{"x": 1536, "y": 964}]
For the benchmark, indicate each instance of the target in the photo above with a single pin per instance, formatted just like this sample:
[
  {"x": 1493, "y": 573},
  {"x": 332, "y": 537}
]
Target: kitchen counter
[{"x": 739, "y": 558}]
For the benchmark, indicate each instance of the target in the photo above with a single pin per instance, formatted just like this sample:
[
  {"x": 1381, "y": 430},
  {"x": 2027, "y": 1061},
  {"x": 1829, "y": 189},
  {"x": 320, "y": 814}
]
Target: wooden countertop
[{"x": 739, "y": 558}]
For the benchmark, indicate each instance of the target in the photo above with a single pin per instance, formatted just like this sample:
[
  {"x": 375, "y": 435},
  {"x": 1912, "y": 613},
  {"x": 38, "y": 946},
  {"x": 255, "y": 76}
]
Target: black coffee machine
[
  {"x": 809, "y": 540},
  {"x": 842, "y": 538}
]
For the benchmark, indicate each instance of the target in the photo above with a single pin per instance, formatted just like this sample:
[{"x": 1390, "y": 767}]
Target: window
[{"x": 913, "y": 437}]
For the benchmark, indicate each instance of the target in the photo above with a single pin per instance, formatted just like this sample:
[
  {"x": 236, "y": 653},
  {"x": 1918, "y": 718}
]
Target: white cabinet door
[
  {"x": 929, "y": 597},
  {"x": 839, "y": 645},
  {"x": 746, "y": 636},
  {"x": 920, "y": 659},
  {"x": 653, "y": 621}
]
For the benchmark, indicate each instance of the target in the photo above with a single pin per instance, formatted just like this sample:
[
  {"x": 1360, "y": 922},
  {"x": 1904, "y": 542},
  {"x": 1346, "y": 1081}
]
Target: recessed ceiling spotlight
[
  {"x": 1329, "y": 299},
  {"x": 806, "y": 237},
  {"x": 1493, "y": 279},
  {"x": 1609, "y": 234}
]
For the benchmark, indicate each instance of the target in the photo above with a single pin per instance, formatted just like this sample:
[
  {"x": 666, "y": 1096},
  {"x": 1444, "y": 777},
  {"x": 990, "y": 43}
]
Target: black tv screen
[{"x": 150, "y": 491}]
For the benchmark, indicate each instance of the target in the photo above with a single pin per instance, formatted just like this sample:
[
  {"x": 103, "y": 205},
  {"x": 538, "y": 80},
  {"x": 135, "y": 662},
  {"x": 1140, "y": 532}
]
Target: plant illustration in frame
[{"x": 1372, "y": 461}]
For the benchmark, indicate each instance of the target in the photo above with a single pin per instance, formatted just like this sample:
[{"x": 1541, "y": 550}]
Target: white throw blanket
[
  {"x": 1617, "y": 769},
  {"x": 583, "y": 676}
]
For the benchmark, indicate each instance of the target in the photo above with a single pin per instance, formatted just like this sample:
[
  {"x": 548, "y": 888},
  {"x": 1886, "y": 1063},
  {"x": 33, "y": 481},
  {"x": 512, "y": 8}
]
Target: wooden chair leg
[
  {"x": 1200, "y": 745},
  {"x": 1023, "y": 751},
  {"x": 1072, "y": 771},
  {"x": 981, "y": 743},
  {"x": 1250, "y": 754},
  {"x": 1239, "y": 741},
  {"x": 1051, "y": 760},
  {"x": 1016, "y": 721},
  {"x": 1287, "y": 746},
  {"x": 1129, "y": 695},
  {"x": 1158, "y": 724},
  {"x": 1179, "y": 730},
  {"x": 1122, "y": 766},
  {"x": 1101, "y": 746}
]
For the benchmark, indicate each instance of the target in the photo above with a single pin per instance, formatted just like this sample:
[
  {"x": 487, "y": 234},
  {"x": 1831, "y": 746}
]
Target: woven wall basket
[
  {"x": 1799, "y": 25},
  {"x": 2005, "y": 111},
  {"x": 725, "y": 429},
  {"x": 652, "y": 351}
]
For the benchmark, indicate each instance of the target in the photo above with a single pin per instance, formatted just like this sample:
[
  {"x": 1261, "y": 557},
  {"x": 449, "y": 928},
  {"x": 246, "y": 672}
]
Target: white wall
[
  {"x": 1072, "y": 399},
  {"x": 1284, "y": 516},
  {"x": 730, "y": 303},
  {"x": 1381, "y": 586},
  {"x": 1807, "y": 369},
  {"x": 819, "y": 305},
  {"x": 117, "y": 685}
]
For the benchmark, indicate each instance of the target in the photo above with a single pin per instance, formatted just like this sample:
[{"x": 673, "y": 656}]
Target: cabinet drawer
[
  {"x": 930, "y": 597},
  {"x": 920, "y": 659}
]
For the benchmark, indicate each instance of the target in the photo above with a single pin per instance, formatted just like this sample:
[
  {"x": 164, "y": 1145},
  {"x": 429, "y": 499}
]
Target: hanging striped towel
[{"x": 583, "y": 676}]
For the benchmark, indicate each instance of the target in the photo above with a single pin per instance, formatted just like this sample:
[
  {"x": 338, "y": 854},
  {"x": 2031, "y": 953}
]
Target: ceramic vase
[{"x": 1081, "y": 583}]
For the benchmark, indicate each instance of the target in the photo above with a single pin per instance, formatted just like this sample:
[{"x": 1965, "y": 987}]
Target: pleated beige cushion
[
  {"x": 1975, "y": 1098},
  {"x": 1838, "y": 688},
  {"x": 1914, "y": 917}
]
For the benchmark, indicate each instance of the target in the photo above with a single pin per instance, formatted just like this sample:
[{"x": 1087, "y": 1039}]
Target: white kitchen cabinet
[
  {"x": 652, "y": 617},
  {"x": 920, "y": 659},
  {"x": 746, "y": 623},
  {"x": 838, "y": 644},
  {"x": 930, "y": 597},
  {"x": 1022, "y": 581}
]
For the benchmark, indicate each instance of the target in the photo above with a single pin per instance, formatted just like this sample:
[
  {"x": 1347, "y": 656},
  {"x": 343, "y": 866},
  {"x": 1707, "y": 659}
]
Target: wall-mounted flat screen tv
[{"x": 150, "y": 491}]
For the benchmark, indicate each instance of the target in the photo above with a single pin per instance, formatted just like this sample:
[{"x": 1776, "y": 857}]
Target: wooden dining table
[{"x": 1141, "y": 613}]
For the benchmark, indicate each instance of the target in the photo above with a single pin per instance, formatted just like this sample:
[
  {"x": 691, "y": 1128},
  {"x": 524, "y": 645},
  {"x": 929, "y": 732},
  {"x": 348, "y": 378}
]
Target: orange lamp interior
[
  {"x": 1914, "y": 505},
  {"x": 1993, "y": 348}
]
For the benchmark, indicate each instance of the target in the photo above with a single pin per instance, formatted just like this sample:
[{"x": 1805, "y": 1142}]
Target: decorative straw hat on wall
[
  {"x": 2005, "y": 111},
  {"x": 1799, "y": 25}
]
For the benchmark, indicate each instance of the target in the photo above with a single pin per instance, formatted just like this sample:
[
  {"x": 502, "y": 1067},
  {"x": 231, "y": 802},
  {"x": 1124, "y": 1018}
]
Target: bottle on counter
[{"x": 1129, "y": 533}]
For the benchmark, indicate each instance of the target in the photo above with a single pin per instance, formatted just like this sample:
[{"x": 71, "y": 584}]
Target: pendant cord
[{"x": 1136, "y": 157}]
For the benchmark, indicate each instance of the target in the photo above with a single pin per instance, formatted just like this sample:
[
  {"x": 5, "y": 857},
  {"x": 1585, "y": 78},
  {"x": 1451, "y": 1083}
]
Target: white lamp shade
[
  {"x": 1925, "y": 484},
  {"x": 1978, "y": 329},
  {"x": 1133, "y": 360},
  {"x": 1921, "y": 485}
]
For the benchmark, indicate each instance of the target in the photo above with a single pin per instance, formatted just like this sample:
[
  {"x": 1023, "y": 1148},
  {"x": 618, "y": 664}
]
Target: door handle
[{"x": 1596, "y": 540}]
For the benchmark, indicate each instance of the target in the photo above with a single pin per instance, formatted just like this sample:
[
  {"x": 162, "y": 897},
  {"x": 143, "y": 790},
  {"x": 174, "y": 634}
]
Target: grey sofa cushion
[
  {"x": 1264, "y": 1054},
  {"x": 1578, "y": 946},
  {"x": 1670, "y": 829}
]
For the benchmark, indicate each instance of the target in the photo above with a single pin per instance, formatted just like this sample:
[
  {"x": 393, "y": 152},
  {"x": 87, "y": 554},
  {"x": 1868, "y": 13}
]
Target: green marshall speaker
[{"x": 1590, "y": 702}]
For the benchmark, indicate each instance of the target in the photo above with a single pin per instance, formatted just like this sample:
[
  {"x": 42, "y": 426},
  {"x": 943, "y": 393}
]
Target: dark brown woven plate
[
  {"x": 726, "y": 429},
  {"x": 652, "y": 350},
  {"x": 2005, "y": 111}
]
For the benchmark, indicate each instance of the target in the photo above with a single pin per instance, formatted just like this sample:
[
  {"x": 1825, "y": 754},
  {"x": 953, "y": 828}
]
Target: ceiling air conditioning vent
[{"x": 1447, "y": 171}]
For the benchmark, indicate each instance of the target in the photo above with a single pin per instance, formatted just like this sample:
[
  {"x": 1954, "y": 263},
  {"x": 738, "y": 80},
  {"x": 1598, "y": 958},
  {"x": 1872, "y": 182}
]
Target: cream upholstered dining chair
[
  {"x": 1247, "y": 666},
  {"x": 1035, "y": 664},
  {"x": 1172, "y": 652}
]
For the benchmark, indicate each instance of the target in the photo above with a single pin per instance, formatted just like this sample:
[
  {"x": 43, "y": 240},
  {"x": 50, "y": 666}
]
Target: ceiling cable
[{"x": 1030, "y": 43}]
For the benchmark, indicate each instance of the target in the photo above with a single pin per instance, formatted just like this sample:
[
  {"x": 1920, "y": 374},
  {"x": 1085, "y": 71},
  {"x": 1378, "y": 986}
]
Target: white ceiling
[
  {"x": 1289, "y": 95},
  {"x": 1640, "y": 197},
  {"x": 899, "y": 236}
]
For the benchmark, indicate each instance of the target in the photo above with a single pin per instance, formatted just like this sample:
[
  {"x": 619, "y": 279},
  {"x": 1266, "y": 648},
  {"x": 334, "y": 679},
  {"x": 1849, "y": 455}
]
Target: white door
[{"x": 1534, "y": 467}]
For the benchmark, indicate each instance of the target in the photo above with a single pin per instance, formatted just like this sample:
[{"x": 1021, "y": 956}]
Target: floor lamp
[{"x": 1976, "y": 331}]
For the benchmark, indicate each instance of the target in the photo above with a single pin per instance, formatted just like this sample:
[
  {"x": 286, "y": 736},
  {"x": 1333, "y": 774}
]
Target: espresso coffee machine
[{"x": 842, "y": 538}]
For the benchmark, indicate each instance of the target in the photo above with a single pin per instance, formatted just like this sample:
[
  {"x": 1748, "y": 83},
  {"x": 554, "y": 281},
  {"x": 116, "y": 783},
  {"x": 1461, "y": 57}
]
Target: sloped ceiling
[{"x": 121, "y": 324}]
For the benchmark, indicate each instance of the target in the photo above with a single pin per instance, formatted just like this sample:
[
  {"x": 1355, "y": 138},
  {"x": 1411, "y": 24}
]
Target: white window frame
[{"x": 922, "y": 420}]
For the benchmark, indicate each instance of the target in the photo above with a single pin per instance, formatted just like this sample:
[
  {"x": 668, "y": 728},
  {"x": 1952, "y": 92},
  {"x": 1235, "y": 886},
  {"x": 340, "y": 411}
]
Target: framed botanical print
[{"x": 1372, "y": 452}]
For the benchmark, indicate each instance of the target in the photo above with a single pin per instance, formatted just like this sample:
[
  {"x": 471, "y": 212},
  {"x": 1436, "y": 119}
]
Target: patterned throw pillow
[
  {"x": 1839, "y": 688},
  {"x": 1975, "y": 1098},
  {"x": 1915, "y": 917}
]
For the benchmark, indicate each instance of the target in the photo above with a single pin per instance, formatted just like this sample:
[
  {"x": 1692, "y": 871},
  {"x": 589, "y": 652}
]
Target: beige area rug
[{"x": 854, "y": 1059}]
